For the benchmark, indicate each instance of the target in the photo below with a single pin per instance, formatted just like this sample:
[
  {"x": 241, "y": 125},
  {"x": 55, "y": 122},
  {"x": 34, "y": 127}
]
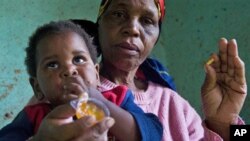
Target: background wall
[{"x": 190, "y": 34}]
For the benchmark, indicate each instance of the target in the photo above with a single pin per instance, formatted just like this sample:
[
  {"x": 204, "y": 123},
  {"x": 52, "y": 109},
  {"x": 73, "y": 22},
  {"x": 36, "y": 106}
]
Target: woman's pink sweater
[{"x": 180, "y": 121}]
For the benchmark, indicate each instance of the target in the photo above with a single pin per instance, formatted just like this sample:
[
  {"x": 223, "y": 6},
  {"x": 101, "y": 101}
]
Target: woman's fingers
[
  {"x": 232, "y": 54},
  {"x": 62, "y": 112},
  {"x": 86, "y": 128},
  {"x": 104, "y": 125},
  {"x": 210, "y": 79},
  {"x": 223, "y": 54},
  {"x": 239, "y": 71},
  {"x": 228, "y": 50},
  {"x": 239, "y": 76},
  {"x": 60, "y": 119}
]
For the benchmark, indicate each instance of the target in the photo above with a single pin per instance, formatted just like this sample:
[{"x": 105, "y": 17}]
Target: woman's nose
[
  {"x": 131, "y": 28},
  {"x": 69, "y": 71}
]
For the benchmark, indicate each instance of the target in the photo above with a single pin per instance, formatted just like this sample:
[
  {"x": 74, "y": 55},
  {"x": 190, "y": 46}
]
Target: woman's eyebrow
[{"x": 119, "y": 4}]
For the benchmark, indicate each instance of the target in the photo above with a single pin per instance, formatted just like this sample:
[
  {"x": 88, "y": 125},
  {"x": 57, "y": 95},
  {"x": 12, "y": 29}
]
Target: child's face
[{"x": 64, "y": 68}]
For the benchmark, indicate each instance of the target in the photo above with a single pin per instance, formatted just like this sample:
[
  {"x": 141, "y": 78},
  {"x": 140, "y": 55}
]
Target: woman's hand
[
  {"x": 59, "y": 125},
  {"x": 224, "y": 89}
]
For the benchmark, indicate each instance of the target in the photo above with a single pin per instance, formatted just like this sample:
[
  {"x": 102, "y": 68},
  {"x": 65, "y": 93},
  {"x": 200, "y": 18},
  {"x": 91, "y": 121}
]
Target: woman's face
[{"x": 128, "y": 31}]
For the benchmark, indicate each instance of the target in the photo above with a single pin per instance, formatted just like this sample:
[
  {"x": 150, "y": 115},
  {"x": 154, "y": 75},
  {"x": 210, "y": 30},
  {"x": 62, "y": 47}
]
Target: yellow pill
[{"x": 210, "y": 61}]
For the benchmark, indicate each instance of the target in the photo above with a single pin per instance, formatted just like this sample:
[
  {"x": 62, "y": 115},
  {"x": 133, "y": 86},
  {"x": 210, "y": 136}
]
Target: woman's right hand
[
  {"x": 224, "y": 89},
  {"x": 59, "y": 126}
]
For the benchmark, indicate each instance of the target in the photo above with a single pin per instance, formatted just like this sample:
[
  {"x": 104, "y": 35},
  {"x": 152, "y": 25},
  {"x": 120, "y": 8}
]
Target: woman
[{"x": 127, "y": 32}]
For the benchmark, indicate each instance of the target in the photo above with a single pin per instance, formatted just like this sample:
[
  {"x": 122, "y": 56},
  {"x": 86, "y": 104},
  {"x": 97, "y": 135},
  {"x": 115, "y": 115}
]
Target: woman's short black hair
[{"x": 55, "y": 28}]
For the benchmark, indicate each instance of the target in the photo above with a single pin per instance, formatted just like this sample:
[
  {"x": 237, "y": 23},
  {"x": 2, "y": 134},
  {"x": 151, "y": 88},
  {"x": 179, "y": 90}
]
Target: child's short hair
[
  {"x": 92, "y": 29},
  {"x": 54, "y": 28}
]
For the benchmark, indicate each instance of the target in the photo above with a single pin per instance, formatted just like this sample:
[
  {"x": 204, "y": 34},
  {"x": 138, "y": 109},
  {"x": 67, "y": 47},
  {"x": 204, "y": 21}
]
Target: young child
[{"x": 62, "y": 64}]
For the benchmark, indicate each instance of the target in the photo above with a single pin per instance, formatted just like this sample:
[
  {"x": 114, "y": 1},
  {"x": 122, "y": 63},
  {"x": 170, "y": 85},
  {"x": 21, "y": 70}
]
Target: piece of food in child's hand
[
  {"x": 88, "y": 108},
  {"x": 91, "y": 107}
]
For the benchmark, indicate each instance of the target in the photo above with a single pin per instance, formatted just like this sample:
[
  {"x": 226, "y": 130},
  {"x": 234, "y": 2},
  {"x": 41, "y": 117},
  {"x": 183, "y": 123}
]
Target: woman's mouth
[{"x": 128, "y": 48}]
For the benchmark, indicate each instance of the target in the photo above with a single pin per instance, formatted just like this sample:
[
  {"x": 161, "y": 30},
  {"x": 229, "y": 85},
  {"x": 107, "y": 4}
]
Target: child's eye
[
  {"x": 78, "y": 60},
  {"x": 52, "y": 65}
]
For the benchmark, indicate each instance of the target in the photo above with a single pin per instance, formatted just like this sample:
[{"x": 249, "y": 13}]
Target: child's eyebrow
[
  {"x": 48, "y": 58},
  {"x": 80, "y": 52}
]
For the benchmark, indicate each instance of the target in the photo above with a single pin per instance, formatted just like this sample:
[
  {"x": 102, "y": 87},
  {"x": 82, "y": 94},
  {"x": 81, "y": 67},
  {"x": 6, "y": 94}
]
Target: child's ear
[
  {"x": 36, "y": 88},
  {"x": 97, "y": 71}
]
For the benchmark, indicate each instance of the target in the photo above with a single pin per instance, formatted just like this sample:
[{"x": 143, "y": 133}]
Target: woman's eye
[
  {"x": 78, "y": 60},
  {"x": 52, "y": 65},
  {"x": 118, "y": 14},
  {"x": 147, "y": 21}
]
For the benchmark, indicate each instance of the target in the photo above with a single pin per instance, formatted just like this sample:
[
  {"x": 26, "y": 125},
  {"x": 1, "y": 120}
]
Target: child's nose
[{"x": 69, "y": 71}]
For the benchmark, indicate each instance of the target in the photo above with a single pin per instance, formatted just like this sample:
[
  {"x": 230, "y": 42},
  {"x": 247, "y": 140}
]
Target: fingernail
[
  {"x": 234, "y": 40},
  {"x": 110, "y": 122},
  {"x": 74, "y": 103},
  {"x": 223, "y": 38},
  {"x": 90, "y": 120},
  {"x": 84, "y": 96}
]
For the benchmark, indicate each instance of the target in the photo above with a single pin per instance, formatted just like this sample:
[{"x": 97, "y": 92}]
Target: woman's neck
[{"x": 121, "y": 77}]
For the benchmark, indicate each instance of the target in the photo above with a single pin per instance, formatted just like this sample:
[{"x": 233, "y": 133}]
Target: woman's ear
[{"x": 36, "y": 88}]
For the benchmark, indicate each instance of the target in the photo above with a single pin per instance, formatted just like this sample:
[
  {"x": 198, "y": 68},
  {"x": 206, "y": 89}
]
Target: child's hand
[{"x": 76, "y": 86}]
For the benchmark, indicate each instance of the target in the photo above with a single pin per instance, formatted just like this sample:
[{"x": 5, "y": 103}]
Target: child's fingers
[{"x": 94, "y": 93}]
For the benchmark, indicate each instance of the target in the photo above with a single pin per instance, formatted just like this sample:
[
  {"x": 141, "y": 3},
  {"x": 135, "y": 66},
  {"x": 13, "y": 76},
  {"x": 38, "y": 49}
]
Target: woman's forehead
[
  {"x": 138, "y": 5},
  {"x": 148, "y": 6},
  {"x": 134, "y": 3}
]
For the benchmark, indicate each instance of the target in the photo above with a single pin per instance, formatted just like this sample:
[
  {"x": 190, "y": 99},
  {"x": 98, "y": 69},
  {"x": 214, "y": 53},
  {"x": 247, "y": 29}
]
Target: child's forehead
[
  {"x": 65, "y": 33},
  {"x": 62, "y": 40},
  {"x": 63, "y": 36}
]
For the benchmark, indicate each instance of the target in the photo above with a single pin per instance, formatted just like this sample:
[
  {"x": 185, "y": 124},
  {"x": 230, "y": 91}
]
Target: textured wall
[{"x": 189, "y": 36}]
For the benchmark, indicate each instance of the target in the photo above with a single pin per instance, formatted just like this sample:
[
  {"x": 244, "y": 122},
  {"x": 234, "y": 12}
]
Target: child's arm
[
  {"x": 149, "y": 125},
  {"x": 19, "y": 129}
]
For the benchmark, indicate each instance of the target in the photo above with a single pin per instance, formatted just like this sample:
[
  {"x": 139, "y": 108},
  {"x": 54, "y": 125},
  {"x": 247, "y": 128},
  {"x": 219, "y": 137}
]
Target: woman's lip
[{"x": 128, "y": 46}]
